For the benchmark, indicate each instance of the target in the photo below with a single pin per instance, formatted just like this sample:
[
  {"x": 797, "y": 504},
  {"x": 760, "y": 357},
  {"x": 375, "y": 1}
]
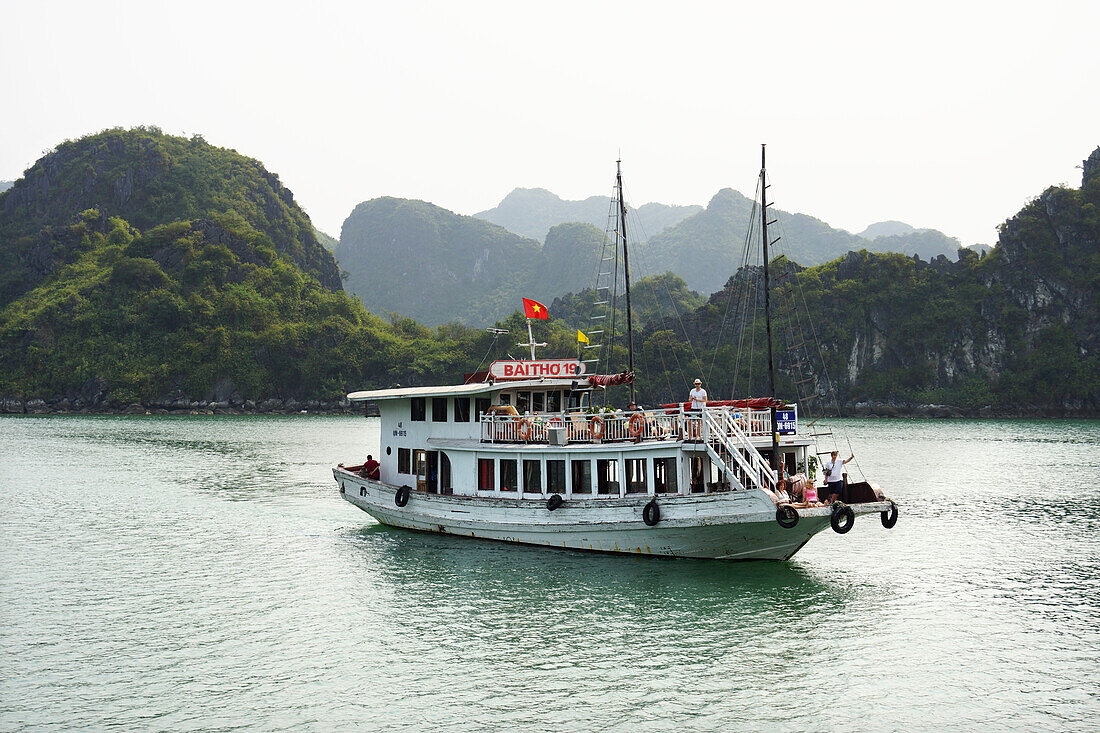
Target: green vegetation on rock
[{"x": 147, "y": 178}]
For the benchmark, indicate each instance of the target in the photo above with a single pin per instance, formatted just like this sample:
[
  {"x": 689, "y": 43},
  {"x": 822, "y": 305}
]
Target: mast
[
  {"x": 626, "y": 275},
  {"x": 768, "y": 303}
]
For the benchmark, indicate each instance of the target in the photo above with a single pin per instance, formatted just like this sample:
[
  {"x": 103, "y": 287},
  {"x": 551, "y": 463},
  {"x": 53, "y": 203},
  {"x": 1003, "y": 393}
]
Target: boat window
[
  {"x": 508, "y": 474},
  {"x": 664, "y": 475},
  {"x": 532, "y": 476},
  {"x": 538, "y": 402},
  {"x": 578, "y": 400},
  {"x": 607, "y": 476},
  {"x": 485, "y": 474},
  {"x": 582, "y": 477},
  {"x": 404, "y": 459},
  {"x": 481, "y": 404},
  {"x": 555, "y": 477},
  {"x": 439, "y": 409},
  {"x": 635, "y": 476},
  {"x": 505, "y": 398},
  {"x": 553, "y": 401},
  {"x": 523, "y": 401},
  {"x": 462, "y": 409},
  {"x": 419, "y": 409}
]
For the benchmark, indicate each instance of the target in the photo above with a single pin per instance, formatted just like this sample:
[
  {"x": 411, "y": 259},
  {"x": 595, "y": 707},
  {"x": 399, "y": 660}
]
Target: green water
[{"x": 202, "y": 573}]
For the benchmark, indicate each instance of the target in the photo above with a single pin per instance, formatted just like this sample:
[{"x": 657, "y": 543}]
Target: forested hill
[
  {"x": 428, "y": 263},
  {"x": 705, "y": 248},
  {"x": 189, "y": 279},
  {"x": 1014, "y": 331},
  {"x": 147, "y": 178},
  {"x": 532, "y": 212}
]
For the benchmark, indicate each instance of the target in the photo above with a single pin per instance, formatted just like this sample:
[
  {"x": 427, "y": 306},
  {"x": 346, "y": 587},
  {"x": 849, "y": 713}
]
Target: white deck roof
[{"x": 461, "y": 390}]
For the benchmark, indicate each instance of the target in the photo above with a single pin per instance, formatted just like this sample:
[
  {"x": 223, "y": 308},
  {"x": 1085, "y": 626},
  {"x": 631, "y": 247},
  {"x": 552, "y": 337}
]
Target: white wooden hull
[{"x": 732, "y": 525}]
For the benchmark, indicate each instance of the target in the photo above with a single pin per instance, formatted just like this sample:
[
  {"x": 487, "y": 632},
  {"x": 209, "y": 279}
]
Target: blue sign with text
[{"x": 786, "y": 421}]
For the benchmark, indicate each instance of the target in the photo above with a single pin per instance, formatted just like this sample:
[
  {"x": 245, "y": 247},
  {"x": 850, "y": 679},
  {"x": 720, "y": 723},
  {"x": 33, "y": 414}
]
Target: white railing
[
  {"x": 674, "y": 424},
  {"x": 582, "y": 427},
  {"x": 756, "y": 423}
]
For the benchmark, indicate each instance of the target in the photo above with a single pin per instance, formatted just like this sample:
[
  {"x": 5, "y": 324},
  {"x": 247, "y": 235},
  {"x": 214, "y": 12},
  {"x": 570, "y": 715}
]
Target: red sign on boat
[{"x": 534, "y": 369}]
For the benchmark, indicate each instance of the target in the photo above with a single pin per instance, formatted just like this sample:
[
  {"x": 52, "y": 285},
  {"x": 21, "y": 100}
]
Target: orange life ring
[
  {"x": 596, "y": 426},
  {"x": 556, "y": 422},
  {"x": 635, "y": 425},
  {"x": 524, "y": 430}
]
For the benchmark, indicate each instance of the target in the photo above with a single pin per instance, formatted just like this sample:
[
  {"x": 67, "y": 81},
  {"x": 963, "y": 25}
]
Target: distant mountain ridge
[
  {"x": 429, "y": 263},
  {"x": 5, "y": 185},
  {"x": 426, "y": 262},
  {"x": 886, "y": 229},
  {"x": 531, "y": 212},
  {"x": 705, "y": 248}
]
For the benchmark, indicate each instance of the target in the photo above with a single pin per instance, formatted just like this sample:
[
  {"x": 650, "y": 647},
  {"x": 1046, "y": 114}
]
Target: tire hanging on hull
[
  {"x": 786, "y": 515},
  {"x": 842, "y": 518},
  {"x": 401, "y": 498}
]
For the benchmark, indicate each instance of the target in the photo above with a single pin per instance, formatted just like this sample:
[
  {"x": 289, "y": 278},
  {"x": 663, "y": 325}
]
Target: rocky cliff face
[
  {"x": 1019, "y": 325},
  {"x": 1013, "y": 331}
]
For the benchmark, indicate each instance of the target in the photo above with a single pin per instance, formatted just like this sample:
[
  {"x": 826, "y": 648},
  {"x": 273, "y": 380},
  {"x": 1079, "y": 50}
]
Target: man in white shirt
[
  {"x": 834, "y": 476},
  {"x": 698, "y": 398}
]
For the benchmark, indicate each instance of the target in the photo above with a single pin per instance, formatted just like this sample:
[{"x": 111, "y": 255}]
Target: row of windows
[
  {"x": 551, "y": 401},
  {"x": 439, "y": 409},
  {"x": 504, "y": 474}
]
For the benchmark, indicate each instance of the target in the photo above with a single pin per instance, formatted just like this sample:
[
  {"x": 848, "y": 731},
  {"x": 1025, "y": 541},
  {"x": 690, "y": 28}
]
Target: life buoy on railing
[
  {"x": 523, "y": 430},
  {"x": 596, "y": 426},
  {"x": 889, "y": 518},
  {"x": 842, "y": 517},
  {"x": 401, "y": 498},
  {"x": 635, "y": 425}
]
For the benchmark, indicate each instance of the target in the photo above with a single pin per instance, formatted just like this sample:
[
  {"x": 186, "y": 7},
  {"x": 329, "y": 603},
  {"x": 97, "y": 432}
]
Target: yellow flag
[{"x": 581, "y": 338}]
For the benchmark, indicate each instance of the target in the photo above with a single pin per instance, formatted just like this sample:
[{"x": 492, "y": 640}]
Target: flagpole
[{"x": 531, "y": 339}]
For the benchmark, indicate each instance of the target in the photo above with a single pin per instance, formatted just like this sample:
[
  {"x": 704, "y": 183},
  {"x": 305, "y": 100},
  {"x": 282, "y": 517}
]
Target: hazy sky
[{"x": 948, "y": 115}]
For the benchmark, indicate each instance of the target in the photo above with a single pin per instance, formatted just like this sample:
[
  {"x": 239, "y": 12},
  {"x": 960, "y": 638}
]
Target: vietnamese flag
[{"x": 534, "y": 309}]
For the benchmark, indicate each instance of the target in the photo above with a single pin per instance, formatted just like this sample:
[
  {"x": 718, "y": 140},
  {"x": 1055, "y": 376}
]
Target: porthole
[{"x": 389, "y": 450}]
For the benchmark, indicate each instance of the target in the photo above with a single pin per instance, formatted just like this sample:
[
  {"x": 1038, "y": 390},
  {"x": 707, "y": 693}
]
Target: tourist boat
[{"x": 521, "y": 454}]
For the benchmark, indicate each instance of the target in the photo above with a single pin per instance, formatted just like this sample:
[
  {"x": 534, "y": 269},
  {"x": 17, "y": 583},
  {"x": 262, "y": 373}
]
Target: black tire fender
[
  {"x": 651, "y": 513},
  {"x": 889, "y": 518},
  {"x": 554, "y": 502},
  {"x": 786, "y": 515},
  {"x": 401, "y": 498},
  {"x": 842, "y": 518}
]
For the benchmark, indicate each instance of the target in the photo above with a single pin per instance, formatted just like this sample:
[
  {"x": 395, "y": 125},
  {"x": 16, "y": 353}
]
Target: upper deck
[{"x": 553, "y": 412}]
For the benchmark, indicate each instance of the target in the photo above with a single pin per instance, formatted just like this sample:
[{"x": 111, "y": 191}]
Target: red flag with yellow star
[{"x": 534, "y": 309}]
